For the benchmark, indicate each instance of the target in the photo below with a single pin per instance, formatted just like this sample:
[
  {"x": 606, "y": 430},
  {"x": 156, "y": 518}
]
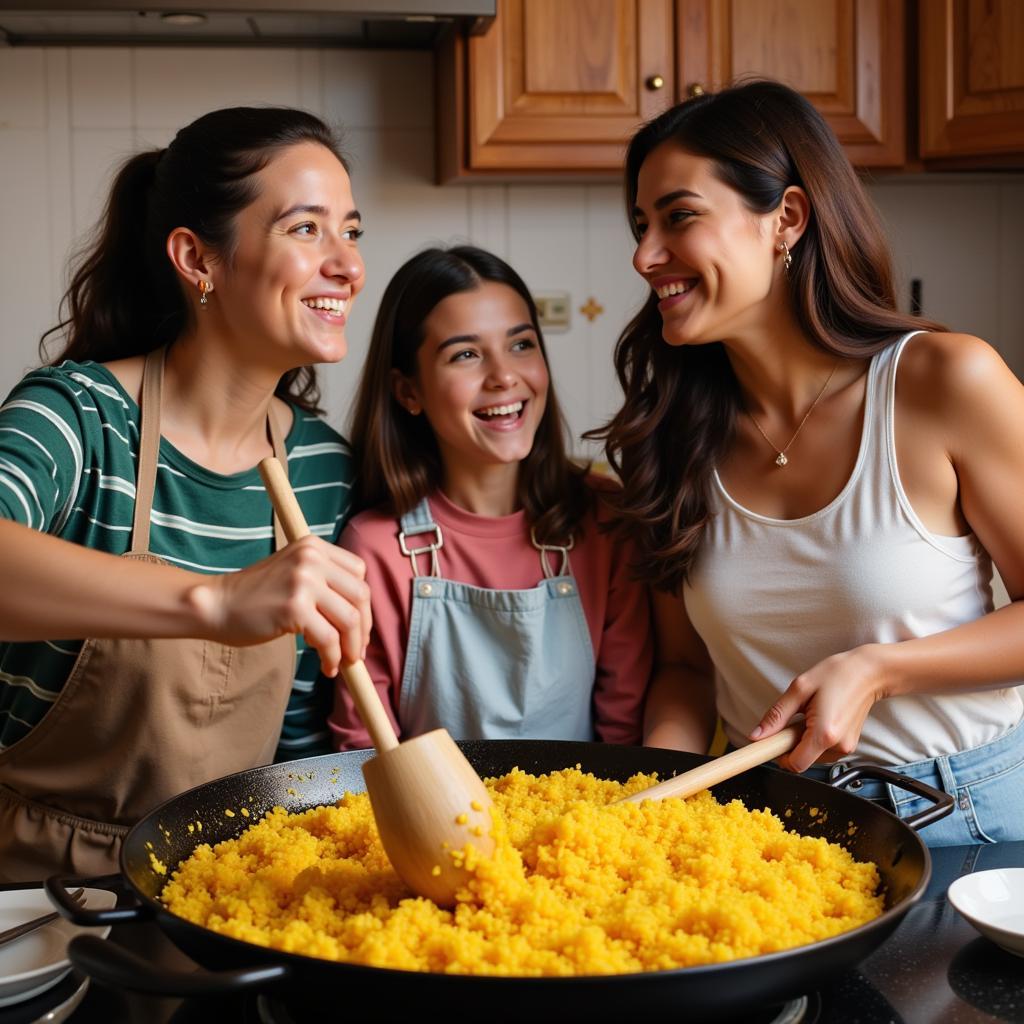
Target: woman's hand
[
  {"x": 835, "y": 697},
  {"x": 309, "y": 587}
]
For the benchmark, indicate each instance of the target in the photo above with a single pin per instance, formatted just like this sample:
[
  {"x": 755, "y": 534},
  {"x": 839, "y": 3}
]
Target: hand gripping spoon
[
  {"x": 426, "y": 798},
  {"x": 721, "y": 768}
]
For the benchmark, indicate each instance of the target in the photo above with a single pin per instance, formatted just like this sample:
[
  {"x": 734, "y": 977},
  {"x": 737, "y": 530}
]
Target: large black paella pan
[{"x": 693, "y": 993}]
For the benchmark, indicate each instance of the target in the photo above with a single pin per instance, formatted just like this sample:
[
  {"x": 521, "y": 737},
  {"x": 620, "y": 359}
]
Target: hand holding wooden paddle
[
  {"x": 721, "y": 768},
  {"x": 427, "y": 800}
]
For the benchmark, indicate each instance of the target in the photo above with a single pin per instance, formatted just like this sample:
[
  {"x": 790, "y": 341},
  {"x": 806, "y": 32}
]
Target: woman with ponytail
[
  {"x": 821, "y": 528},
  {"x": 148, "y": 600}
]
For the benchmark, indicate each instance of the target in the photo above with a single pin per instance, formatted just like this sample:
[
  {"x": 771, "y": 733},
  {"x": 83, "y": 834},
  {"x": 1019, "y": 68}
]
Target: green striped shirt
[{"x": 69, "y": 439}]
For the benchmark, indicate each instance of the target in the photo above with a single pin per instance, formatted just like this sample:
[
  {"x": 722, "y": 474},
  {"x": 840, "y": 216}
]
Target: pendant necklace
[{"x": 780, "y": 458}]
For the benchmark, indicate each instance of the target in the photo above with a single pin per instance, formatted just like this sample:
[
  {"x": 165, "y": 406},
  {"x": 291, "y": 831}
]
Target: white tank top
[{"x": 773, "y": 597}]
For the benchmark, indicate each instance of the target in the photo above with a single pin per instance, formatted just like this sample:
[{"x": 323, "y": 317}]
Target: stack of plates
[{"x": 36, "y": 962}]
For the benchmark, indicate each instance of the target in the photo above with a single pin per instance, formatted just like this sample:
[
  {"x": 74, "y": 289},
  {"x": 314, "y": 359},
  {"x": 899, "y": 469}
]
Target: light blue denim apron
[
  {"x": 494, "y": 664},
  {"x": 987, "y": 783}
]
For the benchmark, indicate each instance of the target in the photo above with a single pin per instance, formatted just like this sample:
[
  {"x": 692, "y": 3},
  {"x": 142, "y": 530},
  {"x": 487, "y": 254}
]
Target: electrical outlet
[{"x": 553, "y": 310}]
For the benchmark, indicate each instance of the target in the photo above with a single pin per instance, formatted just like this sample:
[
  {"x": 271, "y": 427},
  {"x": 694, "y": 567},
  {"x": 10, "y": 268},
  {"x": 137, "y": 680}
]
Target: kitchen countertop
[{"x": 934, "y": 968}]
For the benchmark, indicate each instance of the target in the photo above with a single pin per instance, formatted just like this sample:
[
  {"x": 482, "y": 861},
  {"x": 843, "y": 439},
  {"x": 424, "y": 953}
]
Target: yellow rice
[{"x": 576, "y": 887}]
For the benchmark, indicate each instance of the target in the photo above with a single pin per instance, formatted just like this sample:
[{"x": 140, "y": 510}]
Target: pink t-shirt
[{"x": 496, "y": 552}]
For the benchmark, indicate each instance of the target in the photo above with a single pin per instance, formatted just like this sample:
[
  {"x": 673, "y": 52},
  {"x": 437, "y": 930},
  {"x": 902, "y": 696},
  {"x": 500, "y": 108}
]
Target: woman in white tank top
[{"x": 819, "y": 484}]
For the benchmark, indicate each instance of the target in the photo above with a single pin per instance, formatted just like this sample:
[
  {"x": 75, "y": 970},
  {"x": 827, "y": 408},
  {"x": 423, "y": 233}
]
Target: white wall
[{"x": 69, "y": 116}]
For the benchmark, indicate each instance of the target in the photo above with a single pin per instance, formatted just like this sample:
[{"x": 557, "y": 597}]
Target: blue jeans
[{"x": 987, "y": 783}]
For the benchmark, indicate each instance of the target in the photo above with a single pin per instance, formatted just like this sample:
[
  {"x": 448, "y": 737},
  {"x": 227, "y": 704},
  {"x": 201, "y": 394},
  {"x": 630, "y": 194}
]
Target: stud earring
[
  {"x": 787, "y": 259},
  {"x": 204, "y": 288}
]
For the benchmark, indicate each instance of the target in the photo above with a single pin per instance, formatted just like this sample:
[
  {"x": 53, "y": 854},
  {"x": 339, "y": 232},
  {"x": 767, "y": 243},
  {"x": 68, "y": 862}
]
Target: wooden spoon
[
  {"x": 721, "y": 768},
  {"x": 427, "y": 800}
]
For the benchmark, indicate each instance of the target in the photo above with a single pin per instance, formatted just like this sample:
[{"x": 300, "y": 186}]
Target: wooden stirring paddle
[
  {"x": 427, "y": 800},
  {"x": 721, "y": 768}
]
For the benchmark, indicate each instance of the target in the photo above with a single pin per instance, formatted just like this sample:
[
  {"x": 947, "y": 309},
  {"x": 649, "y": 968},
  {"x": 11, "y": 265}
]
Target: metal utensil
[{"x": 30, "y": 926}]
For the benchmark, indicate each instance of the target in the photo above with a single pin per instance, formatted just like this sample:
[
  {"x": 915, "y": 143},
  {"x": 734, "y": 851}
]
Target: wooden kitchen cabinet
[
  {"x": 972, "y": 80},
  {"x": 845, "y": 56},
  {"x": 553, "y": 86},
  {"x": 560, "y": 85}
]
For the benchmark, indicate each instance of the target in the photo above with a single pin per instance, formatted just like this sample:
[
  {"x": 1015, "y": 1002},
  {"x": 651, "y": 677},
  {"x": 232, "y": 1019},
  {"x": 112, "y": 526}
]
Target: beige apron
[{"x": 138, "y": 721}]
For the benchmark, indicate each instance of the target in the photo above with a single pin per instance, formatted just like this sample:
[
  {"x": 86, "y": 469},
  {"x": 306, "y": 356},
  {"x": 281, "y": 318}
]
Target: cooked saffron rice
[{"x": 576, "y": 886}]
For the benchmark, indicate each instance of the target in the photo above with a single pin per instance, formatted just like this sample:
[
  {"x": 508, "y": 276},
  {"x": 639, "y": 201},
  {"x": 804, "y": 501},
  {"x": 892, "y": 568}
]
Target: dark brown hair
[
  {"x": 398, "y": 461},
  {"x": 678, "y": 417},
  {"x": 125, "y": 298}
]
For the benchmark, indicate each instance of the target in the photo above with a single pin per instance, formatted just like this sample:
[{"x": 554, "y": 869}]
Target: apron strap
[
  {"x": 149, "y": 452},
  {"x": 420, "y": 520},
  {"x": 415, "y": 522},
  {"x": 276, "y": 433},
  {"x": 565, "y": 569},
  {"x": 149, "y": 449}
]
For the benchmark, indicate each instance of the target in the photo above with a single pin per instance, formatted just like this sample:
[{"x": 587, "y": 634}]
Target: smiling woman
[
  {"x": 817, "y": 482},
  {"x": 500, "y": 608},
  {"x": 223, "y": 270}
]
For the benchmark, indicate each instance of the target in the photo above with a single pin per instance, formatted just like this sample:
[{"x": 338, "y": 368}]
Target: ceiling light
[{"x": 183, "y": 18}]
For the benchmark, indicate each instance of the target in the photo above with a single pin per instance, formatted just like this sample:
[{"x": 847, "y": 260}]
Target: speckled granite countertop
[{"x": 935, "y": 967}]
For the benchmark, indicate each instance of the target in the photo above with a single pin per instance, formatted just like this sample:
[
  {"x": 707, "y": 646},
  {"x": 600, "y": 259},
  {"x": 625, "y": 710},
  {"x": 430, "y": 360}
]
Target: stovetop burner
[{"x": 54, "y": 1005}]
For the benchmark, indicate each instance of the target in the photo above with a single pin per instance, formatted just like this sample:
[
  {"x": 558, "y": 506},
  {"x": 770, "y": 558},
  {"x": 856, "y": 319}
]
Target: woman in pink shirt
[{"x": 501, "y": 609}]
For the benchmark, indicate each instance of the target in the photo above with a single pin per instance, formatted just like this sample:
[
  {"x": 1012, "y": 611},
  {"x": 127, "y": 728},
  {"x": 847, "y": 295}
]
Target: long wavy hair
[
  {"x": 679, "y": 413},
  {"x": 125, "y": 298},
  {"x": 398, "y": 460}
]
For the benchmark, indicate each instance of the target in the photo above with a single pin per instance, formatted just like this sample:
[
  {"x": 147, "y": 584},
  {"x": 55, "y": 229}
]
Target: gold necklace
[{"x": 780, "y": 458}]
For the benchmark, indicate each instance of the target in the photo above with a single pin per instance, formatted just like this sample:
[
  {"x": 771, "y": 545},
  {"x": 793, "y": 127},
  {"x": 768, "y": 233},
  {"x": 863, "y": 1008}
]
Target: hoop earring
[
  {"x": 204, "y": 288},
  {"x": 787, "y": 259}
]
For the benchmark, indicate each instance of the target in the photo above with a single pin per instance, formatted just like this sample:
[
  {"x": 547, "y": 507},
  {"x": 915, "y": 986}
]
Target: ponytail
[{"x": 121, "y": 301}]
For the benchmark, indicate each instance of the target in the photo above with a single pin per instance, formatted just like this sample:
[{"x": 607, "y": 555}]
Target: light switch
[{"x": 553, "y": 311}]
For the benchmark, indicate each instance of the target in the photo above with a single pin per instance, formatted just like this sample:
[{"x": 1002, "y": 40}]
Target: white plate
[
  {"x": 36, "y": 961},
  {"x": 993, "y": 901}
]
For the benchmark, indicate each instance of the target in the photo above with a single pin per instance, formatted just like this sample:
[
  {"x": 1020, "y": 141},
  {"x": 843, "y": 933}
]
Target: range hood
[{"x": 403, "y": 24}]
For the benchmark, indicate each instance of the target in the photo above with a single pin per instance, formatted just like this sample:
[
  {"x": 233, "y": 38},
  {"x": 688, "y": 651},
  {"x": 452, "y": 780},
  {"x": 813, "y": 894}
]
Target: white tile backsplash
[
  {"x": 106, "y": 98},
  {"x": 58, "y": 218},
  {"x": 22, "y": 89},
  {"x": 547, "y": 246},
  {"x": 609, "y": 249},
  {"x": 96, "y": 155},
  {"x": 374, "y": 89},
  {"x": 68, "y": 116},
  {"x": 26, "y": 289},
  {"x": 488, "y": 218},
  {"x": 172, "y": 86},
  {"x": 948, "y": 236}
]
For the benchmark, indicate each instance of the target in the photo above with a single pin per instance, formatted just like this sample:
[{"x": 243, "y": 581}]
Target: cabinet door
[
  {"x": 562, "y": 86},
  {"x": 972, "y": 77},
  {"x": 845, "y": 56}
]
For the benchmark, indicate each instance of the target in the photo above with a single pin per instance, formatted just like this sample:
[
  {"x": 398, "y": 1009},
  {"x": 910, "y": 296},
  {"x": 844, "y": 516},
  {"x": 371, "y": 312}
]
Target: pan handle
[
  {"x": 118, "y": 967},
  {"x": 57, "y": 887},
  {"x": 942, "y": 803}
]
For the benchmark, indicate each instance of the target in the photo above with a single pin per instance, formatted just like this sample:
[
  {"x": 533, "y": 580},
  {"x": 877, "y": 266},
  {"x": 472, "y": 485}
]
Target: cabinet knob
[
  {"x": 694, "y": 89},
  {"x": 655, "y": 82}
]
